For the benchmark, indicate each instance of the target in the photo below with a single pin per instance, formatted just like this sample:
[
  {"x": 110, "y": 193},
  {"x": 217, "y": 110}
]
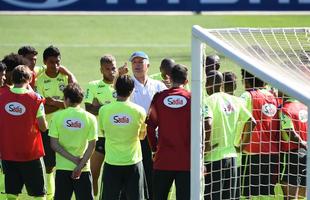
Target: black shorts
[
  {"x": 293, "y": 166},
  {"x": 259, "y": 174},
  {"x": 128, "y": 179},
  {"x": 221, "y": 179},
  {"x": 65, "y": 186},
  {"x": 18, "y": 174},
  {"x": 162, "y": 182},
  {"x": 100, "y": 145},
  {"x": 50, "y": 156}
]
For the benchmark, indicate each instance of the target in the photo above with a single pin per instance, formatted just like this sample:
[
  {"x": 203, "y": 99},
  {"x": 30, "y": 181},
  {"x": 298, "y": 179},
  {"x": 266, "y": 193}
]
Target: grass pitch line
[{"x": 100, "y": 45}]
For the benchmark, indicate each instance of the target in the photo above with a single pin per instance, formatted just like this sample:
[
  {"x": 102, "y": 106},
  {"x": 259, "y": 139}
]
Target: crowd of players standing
[{"x": 242, "y": 136}]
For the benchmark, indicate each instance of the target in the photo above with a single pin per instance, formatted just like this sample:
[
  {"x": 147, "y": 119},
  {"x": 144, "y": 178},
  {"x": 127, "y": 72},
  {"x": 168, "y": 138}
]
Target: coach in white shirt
[{"x": 145, "y": 89}]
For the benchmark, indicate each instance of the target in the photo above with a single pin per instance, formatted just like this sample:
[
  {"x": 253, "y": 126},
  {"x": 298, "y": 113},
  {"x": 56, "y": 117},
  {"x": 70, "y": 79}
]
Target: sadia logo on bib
[
  {"x": 303, "y": 116},
  {"x": 269, "y": 109},
  {"x": 120, "y": 119},
  {"x": 15, "y": 108},
  {"x": 73, "y": 124},
  {"x": 175, "y": 101},
  {"x": 40, "y": 5}
]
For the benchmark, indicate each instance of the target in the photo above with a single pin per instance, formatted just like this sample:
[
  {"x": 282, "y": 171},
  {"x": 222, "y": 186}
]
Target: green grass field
[{"x": 83, "y": 39}]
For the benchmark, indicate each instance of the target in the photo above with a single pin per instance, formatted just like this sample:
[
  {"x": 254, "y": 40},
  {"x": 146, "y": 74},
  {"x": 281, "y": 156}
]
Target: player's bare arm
[
  {"x": 50, "y": 109},
  {"x": 51, "y": 105},
  {"x": 246, "y": 133},
  {"x": 123, "y": 69},
  {"x": 94, "y": 107},
  {"x": 89, "y": 151},
  {"x": 295, "y": 137},
  {"x": 208, "y": 125},
  {"x": 55, "y": 102},
  {"x": 42, "y": 123},
  {"x": 142, "y": 134},
  {"x": 71, "y": 78},
  {"x": 152, "y": 124},
  {"x": 59, "y": 149}
]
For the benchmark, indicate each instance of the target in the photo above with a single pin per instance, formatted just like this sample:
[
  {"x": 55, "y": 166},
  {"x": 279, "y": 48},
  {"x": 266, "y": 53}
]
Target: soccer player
[
  {"x": 230, "y": 85},
  {"x": 222, "y": 113},
  {"x": 165, "y": 71},
  {"x": 8, "y": 63},
  {"x": 21, "y": 146},
  {"x": 145, "y": 89},
  {"x": 30, "y": 53},
  {"x": 261, "y": 155},
  {"x": 294, "y": 127},
  {"x": 123, "y": 124},
  {"x": 212, "y": 63},
  {"x": 170, "y": 113},
  {"x": 100, "y": 93},
  {"x": 50, "y": 85},
  {"x": 73, "y": 133}
]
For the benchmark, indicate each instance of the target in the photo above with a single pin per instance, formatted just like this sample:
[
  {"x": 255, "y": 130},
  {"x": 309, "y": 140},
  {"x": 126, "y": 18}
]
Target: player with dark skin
[
  {"x": 108, "y": 71},
  {"x": 50, "y": 84}
]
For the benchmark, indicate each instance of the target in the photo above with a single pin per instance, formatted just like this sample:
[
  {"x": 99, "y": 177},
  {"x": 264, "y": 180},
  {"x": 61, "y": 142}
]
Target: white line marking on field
[{"x": 100, "y": 45}]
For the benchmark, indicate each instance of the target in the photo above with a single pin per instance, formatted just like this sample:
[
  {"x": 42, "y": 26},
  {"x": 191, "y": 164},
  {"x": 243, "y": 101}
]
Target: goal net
[{"x": 249, "y": 118}]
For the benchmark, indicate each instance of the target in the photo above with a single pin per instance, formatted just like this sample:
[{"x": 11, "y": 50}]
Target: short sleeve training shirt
[
  {"x": 104, "y": 92},
  {"x": 122, "y": 122},
  {"x": 74, "y": 127},
  {"x": 51, "y": 87},
  {"x": 226, "y": 112}
]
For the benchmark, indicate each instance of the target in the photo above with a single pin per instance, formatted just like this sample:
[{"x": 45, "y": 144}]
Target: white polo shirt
[{"x": 143, "y": 94}]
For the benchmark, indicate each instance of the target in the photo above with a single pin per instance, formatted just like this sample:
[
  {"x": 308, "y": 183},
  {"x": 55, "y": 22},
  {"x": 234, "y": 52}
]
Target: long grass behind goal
[{"x": 278, "y": 56}]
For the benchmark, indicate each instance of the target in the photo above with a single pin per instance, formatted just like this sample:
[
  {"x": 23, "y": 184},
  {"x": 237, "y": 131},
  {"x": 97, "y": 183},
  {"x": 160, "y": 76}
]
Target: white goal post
[{"x": 282, "y": 67}]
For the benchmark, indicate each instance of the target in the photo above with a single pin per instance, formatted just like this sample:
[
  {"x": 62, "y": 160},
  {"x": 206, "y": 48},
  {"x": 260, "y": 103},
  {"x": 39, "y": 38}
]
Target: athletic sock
[{"x": 50, "y": 186}]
